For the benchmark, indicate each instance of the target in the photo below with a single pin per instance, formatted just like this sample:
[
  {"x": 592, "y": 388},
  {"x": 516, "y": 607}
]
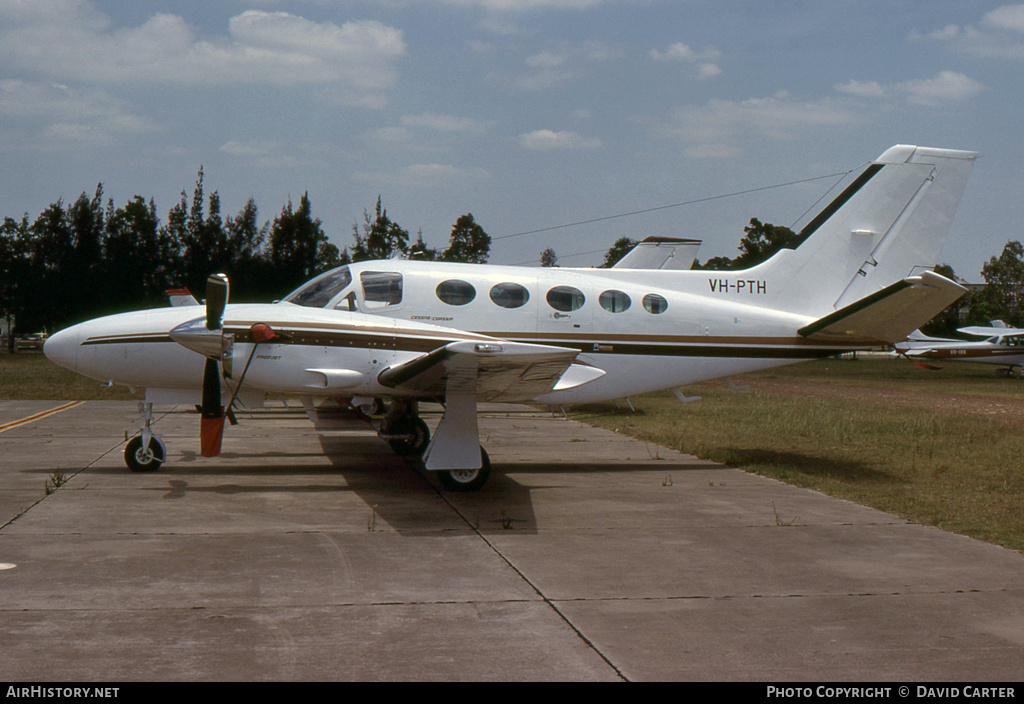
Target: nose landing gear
[{"x": 145, "y": 452}]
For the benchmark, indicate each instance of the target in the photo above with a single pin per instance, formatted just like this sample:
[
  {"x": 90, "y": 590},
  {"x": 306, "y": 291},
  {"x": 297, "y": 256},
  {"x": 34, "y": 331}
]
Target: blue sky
[{"x": 530, "y": 114}]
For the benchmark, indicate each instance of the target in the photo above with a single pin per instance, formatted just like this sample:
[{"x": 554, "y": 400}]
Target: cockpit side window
[
  {"x": 318, "y": 292},
  {"x": 381, "y": 288}
]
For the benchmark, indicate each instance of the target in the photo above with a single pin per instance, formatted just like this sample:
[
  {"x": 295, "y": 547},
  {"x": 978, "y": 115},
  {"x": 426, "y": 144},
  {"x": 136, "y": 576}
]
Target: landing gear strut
[{"x": 145, "y": 452}]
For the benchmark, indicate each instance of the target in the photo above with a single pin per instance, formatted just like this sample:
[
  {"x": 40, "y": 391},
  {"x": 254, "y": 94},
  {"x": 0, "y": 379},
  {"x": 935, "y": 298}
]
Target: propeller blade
[
  {"x": 216, "y": 300},
  {"x": 211, "y": 412}
]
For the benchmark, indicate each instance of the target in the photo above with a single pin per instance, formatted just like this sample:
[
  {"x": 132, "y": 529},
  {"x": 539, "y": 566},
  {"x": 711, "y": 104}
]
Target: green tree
[
  {"x": 247, "y": 252},
  {"x": 49, "y": 298},
  {"x": 138, "y": 261},
  {"x": 468, "y": 243},
  {"x": 760, "y": 241},
  {"x": 88, "y": 220},
  {"x": 617, "y": 251},
  {"x": 946, "y": 323},
  {"x": 13, "y": 271},
  {"x": 1004, "y": 276},
  {"x": 420, "y": 251},
  {"x": 380, "y": 237},
  {"x": 299, "y": 249},
  {"x": 198, "y": 236},
  {"x": 548, "y": 257}
]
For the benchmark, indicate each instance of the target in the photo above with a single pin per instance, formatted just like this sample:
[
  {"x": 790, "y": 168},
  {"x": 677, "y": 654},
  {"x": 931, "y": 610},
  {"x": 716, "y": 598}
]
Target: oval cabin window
[
  {"x": 614, "y": 301},
  {"x": 455, "y": 292},
  {"x": 653, "y": 303},
  {"x": 509, "y": 295},
  {"x": 566, "y": 298}
]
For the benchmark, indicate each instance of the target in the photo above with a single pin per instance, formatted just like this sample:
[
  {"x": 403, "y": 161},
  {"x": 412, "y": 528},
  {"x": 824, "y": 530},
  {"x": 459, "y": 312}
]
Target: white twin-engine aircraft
[{"x": 858, "y": 277}]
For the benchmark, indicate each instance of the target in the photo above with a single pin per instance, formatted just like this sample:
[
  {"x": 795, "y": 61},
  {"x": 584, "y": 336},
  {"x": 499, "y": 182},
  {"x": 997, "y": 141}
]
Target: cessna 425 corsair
[{"x": 859, "y": 276}]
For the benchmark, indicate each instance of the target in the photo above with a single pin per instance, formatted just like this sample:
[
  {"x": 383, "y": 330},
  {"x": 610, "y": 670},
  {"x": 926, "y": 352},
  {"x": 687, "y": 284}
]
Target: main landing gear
[
  {"x": 409, "y": 436},
  {"x": 145, "y": 452},
  {"x": 467, "y": 479}
]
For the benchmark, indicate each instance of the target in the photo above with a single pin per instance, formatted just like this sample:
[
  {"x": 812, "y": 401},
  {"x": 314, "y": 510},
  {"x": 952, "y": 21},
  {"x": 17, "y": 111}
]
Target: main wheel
[
  {"x": 415, "y": 435},
  {"x": 467, "y": 479},
  {"x": 148, "y": 459}
]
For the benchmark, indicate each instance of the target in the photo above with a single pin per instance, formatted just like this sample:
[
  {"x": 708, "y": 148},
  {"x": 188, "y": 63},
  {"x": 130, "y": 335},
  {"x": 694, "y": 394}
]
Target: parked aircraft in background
[
  {"x": 1002, "y": 345},
  {"x": 858, "y": 276}
]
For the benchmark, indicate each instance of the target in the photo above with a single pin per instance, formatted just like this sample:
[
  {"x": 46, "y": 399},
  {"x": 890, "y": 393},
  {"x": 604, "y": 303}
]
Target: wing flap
[
  {"x": 887, "y": 316},
  {"x": 493, "y": 371}
]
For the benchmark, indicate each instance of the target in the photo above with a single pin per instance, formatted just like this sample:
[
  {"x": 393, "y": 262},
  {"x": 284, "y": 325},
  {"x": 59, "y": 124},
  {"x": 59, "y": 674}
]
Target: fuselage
[
  {"x": 647, "y": 330},
  {"x": 1004, "y": 351}
]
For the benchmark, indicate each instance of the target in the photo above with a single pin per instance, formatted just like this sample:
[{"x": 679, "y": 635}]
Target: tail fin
[{"x": 889, "y": 224}]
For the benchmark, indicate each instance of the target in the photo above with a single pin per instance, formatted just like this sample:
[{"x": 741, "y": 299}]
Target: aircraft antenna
[{"x": 841, "y": 175}]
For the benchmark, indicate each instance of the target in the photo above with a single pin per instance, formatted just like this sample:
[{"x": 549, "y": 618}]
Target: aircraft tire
[
  {"x": 140, "y": 460},
  {"x": 467, "y": 479},
  {"x": 419, "y": 433}
]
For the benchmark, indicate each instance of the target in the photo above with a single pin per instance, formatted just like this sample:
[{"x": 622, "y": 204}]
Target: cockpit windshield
[{"x": 318, "y": 292}]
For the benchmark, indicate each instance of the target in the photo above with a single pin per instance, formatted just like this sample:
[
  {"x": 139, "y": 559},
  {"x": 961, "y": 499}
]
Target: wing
[
  {"x": 491, "y": 371},
  {"x": 979, "y": 331},
  {"x": 889, "y": 315}
]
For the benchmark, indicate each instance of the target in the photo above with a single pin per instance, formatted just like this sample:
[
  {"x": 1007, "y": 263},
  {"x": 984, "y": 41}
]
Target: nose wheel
[
  {"x": 142, "y": 457},
  {"x": 145, "y": 452}
]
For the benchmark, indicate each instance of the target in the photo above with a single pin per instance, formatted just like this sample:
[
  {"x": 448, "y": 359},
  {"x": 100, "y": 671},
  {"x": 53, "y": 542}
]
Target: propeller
[
  {"x": 211, "y": 411},
  {"x": 206, "y": 336},
  {"x": 917, "y": 363}
]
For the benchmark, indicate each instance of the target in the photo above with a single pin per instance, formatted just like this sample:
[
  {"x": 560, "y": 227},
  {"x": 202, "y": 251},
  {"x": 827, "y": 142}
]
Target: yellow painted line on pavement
[{"x": 38, "y": 416}]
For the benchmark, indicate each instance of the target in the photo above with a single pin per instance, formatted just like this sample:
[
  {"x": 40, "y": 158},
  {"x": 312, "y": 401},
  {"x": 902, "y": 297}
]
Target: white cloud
[
  {"x": 708, "y": 71},
  {"x": 520, "y": 6},
  {"x": 1009, "y": 17},
  {"x": 943, "y": 88},
  {"x": 703, "y": 61},
  {"x": 554, "y": 67},
  {"x": 57, "y": 116},
  {"x": 676, "y": 52},
  {"x": 443, "y": 123},
  {"x": 355, "y": 59},
  {"x": 713, "y": 151},
  {"x": 780, "y": 116},
  {"x": 863, "y": 89},
  {"x": 1000, "y": 34},
  {"x": 267, "y": 155},
  {"x": 425, "y": 175},
  {"x": 544, "y": 140}
]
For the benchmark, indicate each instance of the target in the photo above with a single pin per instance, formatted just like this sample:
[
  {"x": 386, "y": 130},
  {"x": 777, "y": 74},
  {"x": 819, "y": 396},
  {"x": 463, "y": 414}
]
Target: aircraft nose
[{"x": 62, "y": 348}]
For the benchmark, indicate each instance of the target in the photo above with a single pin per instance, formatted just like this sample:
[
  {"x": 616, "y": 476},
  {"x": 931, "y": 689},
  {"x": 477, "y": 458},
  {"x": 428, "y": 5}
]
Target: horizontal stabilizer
[{"x": 890, "y": 315}]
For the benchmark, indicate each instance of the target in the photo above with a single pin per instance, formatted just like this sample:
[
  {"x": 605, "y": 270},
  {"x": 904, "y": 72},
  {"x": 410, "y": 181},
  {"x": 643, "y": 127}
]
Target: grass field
[
  {"x": 942, "y": 448},
  {"x": 30, "y": 375}
]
